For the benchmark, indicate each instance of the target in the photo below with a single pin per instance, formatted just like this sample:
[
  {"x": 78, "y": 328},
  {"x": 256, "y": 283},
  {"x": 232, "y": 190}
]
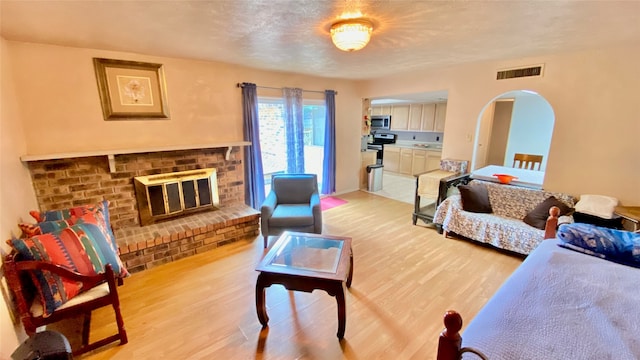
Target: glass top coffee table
[{"x": 305, "y": 262}]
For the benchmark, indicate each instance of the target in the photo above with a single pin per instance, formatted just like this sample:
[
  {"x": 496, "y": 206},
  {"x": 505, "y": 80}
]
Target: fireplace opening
[{"x": 166, "y": 196}]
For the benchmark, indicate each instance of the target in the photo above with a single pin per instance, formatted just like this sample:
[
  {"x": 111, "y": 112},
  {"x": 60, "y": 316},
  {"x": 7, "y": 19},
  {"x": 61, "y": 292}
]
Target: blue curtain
[
  {"x": 253, "y": 173},
  {"x": 329, "y": 164},
  {"x": 294, "y": 129}
]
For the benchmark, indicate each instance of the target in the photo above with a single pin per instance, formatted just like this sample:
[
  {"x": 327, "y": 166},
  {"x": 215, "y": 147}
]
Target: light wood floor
[{"x": 405, "y": 278}]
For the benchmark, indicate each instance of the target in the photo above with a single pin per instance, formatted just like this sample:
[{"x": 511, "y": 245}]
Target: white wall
[
  {"x": 593, "y": 95},
  {"x": 531, "y": 129},
  {"x": 16, "y": 191}
]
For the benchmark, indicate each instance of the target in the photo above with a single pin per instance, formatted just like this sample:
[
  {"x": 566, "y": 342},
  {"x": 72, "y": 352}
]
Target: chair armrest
[
  {"x": 446, "y": 209},
  {"x": 314, "y": 201},
  {"x": 269, "y": 204},
  {"x": 426, "y": 172},
  {"x": 316, "y": 209},
  {"x": 87, "y": 280},
  {"x": 453, "y": 202}
]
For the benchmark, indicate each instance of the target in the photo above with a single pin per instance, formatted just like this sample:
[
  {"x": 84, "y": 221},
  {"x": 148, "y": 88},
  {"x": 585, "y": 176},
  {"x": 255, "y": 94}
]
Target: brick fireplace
[{"x": 63, "y": 183}]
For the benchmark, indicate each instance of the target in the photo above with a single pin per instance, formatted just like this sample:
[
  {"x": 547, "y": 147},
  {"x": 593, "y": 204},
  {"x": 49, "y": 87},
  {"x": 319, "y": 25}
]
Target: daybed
[
  {"x": 498, "y": 219},
  {"x": 559, "y": 304}
]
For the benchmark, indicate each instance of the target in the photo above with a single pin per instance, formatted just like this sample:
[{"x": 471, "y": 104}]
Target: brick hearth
[
  {"x": 63, "y": 183},
  {"x": 148, "y": 246}
]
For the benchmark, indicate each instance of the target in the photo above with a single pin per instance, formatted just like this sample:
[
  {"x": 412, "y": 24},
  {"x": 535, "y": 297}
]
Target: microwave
[{"x": 380, "y": 122}]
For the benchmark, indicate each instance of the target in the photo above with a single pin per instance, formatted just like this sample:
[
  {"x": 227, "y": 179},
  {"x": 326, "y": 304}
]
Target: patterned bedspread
[
  {"x": 504, "y": 227},
  {"x": 561, "y": 304}
]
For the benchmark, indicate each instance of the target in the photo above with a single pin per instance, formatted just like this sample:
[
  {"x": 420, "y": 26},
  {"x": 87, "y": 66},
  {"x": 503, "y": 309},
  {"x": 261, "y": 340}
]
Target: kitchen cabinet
[
  {"x": 419, "y": 163},
  {"x": 433, "y": 160},
  {"x": 399, "y": 117},
  {"x": 406, "y": 159},
  {"x": 366, "y": 158},
  {"x": 381, "y": 110},
  {"x": 415, "y": 117},
  {"x": 391, "y": 158},
  {"x": 410, "y": 161},
  {"x": 441, "y": 113},
  {"x": 428, "y": 117}
]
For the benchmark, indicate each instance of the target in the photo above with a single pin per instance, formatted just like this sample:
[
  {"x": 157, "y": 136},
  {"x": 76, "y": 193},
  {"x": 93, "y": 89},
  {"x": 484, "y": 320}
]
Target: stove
[{"x": 379, "y": 140}]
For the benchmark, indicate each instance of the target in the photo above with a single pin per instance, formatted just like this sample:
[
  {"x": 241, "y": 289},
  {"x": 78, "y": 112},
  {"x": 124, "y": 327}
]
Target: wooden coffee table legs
[
  {"x": 261, "y": 307},
  {"x": 297, "y": 283}
]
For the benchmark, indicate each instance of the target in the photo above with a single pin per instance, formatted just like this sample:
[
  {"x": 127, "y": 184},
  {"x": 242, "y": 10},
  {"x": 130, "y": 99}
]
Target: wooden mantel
[{"x": 112, "y": 153}]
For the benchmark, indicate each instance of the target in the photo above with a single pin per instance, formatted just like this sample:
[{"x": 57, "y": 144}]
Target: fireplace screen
[{"x": 170, "y": 195}]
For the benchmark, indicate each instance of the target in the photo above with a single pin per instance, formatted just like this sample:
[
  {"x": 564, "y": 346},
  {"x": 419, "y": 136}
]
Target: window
[{"x": 273, "y": 137}]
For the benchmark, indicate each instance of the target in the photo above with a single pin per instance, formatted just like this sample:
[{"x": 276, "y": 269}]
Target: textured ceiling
[{"x": 293, "y": 36}]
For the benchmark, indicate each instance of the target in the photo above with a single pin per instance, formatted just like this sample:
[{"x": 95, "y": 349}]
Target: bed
[{"x": 559, "y": 304}]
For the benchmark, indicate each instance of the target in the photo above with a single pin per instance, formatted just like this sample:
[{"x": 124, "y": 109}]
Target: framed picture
[{"x": 131, "y": 89}]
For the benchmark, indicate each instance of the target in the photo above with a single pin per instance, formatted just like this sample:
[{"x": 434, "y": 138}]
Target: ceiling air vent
[{"x": 520, "y": 72}]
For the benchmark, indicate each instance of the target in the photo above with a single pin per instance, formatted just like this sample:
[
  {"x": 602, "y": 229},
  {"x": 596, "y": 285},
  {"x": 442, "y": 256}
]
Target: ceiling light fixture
[{"x": 351, "y": 34}]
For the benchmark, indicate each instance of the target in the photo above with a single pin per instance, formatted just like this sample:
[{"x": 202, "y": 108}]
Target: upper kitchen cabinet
[
  {"x": 415, "y": 117},
  {"x": 381, "y": 110},
  {"x": 400, "y": 117},
  {"x": 441, "y": 114},
  {"x": 427, "y": 117},
  {"x": 433, "y": 117}
]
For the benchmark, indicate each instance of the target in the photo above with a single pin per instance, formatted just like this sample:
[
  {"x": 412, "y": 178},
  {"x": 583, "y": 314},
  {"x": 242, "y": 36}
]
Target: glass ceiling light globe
[{"x": 352, "y": 34}]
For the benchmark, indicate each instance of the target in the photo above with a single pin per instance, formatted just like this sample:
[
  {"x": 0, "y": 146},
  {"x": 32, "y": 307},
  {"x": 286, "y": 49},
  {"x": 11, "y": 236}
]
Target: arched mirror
[{"x": 516, "y": 122}]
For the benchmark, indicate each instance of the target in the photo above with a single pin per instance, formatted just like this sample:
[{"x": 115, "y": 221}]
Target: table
[
  {"x": 630, "y": 213},
  {"x": 305, "y": 262},
  {"x": 526, "y": 177}
]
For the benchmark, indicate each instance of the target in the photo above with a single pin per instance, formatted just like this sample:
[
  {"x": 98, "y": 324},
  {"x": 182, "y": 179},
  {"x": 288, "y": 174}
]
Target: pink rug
[{"x": 329, "y": 202}]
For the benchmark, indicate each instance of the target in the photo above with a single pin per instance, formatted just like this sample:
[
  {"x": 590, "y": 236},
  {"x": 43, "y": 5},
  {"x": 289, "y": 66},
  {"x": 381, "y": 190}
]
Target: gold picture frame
[{"x": 131, "y": 89}]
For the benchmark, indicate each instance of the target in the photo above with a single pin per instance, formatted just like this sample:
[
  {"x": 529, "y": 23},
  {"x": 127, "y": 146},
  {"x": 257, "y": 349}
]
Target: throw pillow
[
  {"x": 615, "y": 245},
  {"x": 59, "y": 219},
  {"x": 475, "y": 198},
  {"x": 65, "y": 214},
  {"x": 29, "y": 230},
  {"x": 83, "y": 248},
  {"x": 538, "y": 216}
]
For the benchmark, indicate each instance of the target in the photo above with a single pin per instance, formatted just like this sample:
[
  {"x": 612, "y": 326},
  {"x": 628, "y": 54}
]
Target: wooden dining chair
[
  {"x": 527, "y": 161},
  {"x": 101, "y": 291}
]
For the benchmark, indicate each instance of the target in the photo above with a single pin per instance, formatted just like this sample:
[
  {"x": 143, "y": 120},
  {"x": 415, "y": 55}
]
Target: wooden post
[
  {"x": 450, "y": 340},
  {"x": 552, "y": 223}
]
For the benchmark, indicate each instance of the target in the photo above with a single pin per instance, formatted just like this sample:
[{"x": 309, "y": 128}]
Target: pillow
[
  {"x": 475, "y": 198},
  {"x": 538, "y": 216},
  {"x": 101, "y": 241},
  {"x": 29, "y": 230},
  {"x": 83, "y": 243},
  {"x": 59, "y": 219},
  {"x": 615, "y": 245},
  {"x": 597, "y": 205},
  {"x": 82, "y": 248},
  {"x": 65, "y": 214}
]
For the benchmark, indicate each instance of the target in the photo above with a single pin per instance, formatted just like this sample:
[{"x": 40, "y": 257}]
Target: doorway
[{"x": 518, "y": 121}]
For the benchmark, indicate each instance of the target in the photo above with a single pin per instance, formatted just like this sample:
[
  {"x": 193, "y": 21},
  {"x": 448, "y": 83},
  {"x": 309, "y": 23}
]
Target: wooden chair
[
  {"x": 527, "y": 161},
  {"x": 102, "y": 291},
  {"x": 448, "y": 177}
]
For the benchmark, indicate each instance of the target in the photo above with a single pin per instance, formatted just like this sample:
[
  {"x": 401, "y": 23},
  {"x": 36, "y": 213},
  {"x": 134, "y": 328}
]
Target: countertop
[{"x": 417, "y": 145}]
